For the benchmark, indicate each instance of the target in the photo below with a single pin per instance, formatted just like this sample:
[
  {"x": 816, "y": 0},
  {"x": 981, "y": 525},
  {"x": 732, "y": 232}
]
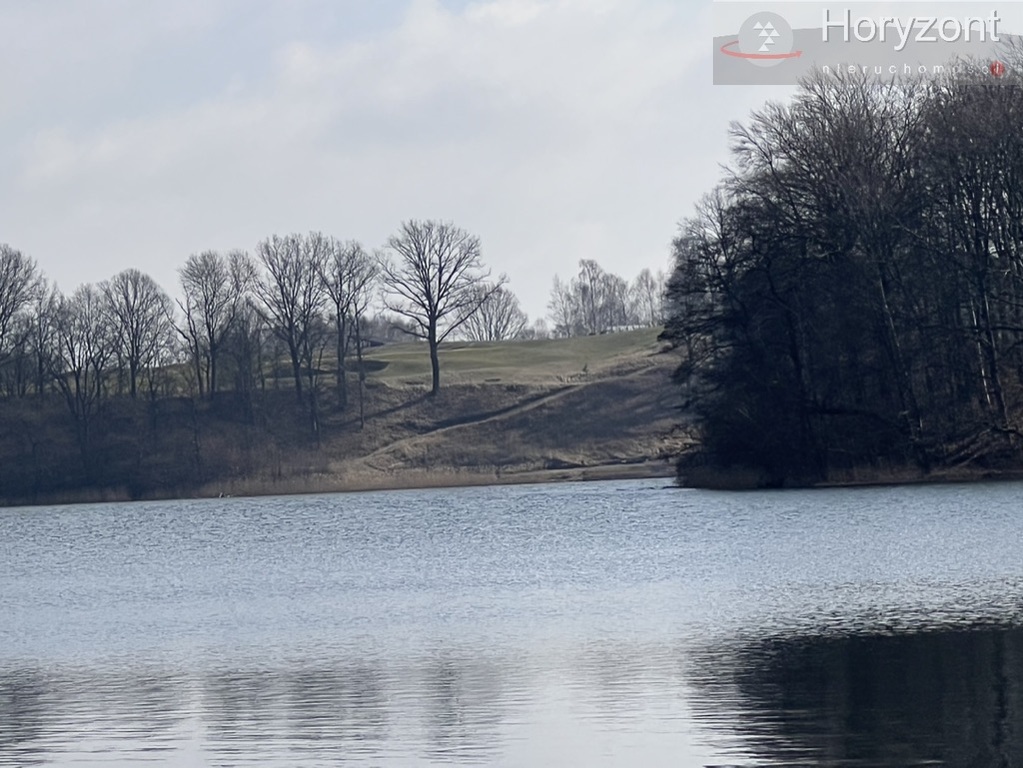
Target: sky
[{"x": 133, "y": 134}]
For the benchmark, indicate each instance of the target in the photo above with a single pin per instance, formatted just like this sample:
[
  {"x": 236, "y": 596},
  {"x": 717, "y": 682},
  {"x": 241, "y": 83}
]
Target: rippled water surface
[{"x": 589, "y": 624}]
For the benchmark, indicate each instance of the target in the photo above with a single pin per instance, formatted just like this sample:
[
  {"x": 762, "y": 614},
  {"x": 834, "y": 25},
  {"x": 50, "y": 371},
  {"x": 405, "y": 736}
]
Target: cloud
[{"x": 555, "y": 130}]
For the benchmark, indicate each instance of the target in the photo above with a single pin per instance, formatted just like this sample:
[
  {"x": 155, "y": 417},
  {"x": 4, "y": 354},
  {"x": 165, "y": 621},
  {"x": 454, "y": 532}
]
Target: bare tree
[
  {"x": 19, "y": 286},
  {"x": 498, "y": 318},
  {"x": 361, "y": 299},
  {"x": 346, "y": 272},
  {"x": 589, "y": 287},
  {"x": 614, "y": 310},
  {"x": 290, "y": 295},
  {"x": 593, "y": 302},
  {"x": 563, "y": 309},
  {"x": 648, "y": 297},
  {"x": 433, "y": 280},
  {"x": 384, "y": 326},
  {"x": 41, "y": 339},
  {"x": 245, "y": 346},
  {"x": 538, "y": 330},
  {"x": 15, "y": 369},
  {"x": 140, "y": 314},
  {"x": 215, "y": 289},
  {"x": 83, "y": 347}
]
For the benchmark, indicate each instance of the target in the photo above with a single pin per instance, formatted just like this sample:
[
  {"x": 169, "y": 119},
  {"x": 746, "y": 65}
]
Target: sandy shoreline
[{"x": 405, "y": 479}]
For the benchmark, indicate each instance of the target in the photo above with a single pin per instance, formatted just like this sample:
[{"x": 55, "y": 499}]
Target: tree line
[
  {"x": 238, "y": 316},
  {"x": 595, "y": 301},
  {"x": 851, "y": 294}
]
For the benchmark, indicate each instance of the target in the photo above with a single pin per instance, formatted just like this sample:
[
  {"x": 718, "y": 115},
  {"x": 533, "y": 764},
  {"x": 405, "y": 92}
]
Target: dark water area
[
  {"x": 618, "y": 623},
  {"x": 942, "y": 697}
]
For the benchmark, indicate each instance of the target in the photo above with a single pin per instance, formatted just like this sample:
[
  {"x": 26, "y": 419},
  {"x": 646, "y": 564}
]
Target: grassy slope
[
  {"x": 593, "y": 406},
  {"x": 517, "y": 361}
]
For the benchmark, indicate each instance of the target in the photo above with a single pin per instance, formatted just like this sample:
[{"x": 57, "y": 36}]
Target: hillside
[{"x": 598, "y": 406}]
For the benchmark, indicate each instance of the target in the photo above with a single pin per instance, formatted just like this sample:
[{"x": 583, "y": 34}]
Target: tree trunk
[
  {"x": 993, "y": 380},
  {"x": 314, "y": 411},
  {"x": 213, "y": 370},
  {"x": 362, "y": 375},
  {"x": 903, "y": 376},
  {"x": 434, "y": 359},
  {"x": 342, "y": 380},
  {"x": 296, "y": 370},
  {"x": 199, "y": 381}
]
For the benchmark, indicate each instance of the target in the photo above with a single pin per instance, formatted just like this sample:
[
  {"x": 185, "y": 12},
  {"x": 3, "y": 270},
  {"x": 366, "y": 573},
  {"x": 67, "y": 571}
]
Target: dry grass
[
  {"x": 536, "y": 423},
  {"x": 625, "y": 416},
  {"x": 510, "y": 412}
]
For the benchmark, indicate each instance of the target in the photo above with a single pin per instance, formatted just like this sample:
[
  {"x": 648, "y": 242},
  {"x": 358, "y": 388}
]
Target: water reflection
[
  {"x": 449, "y": 708},
  {"x": 445, "y": 708},
  {"x": 942, "y": 696},
  {"x": 463, "y": 708},
  {"x": 325, "y": 711},
  {"x": 45, "y": 712}
]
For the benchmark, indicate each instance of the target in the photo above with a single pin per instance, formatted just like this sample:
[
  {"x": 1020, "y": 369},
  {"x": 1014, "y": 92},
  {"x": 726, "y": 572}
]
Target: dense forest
[{"x": 850, "y": 297}]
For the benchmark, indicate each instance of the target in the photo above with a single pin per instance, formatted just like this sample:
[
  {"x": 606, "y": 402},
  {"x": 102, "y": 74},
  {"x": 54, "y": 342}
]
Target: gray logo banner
[{"x": 775, "y": 43}]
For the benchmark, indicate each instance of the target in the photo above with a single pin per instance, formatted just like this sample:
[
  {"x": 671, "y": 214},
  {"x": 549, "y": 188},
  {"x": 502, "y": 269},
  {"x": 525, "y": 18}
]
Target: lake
[{"x": 595, "y": 624}]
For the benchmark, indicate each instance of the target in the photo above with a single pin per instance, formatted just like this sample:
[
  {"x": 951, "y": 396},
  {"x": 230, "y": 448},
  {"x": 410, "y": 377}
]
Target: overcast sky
[{"x": 136, "y": 133}]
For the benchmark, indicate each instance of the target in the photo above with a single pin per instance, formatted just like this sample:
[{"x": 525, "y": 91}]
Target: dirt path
[{"x": 529, "y": 403}]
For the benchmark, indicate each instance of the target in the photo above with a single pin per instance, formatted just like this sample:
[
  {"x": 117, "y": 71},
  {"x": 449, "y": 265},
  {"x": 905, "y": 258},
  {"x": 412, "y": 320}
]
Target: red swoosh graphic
[{"x": 741, "y": 55}]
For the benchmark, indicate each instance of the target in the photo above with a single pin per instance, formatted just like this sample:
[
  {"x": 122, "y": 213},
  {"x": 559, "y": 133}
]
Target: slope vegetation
[{"x": 599, "y": 406}]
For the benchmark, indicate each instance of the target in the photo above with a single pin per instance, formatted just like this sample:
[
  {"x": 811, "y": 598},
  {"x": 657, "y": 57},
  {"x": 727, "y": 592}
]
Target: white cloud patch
[
  {"x": 555, "y": 130},
  {"x": 510, "y": 13}
]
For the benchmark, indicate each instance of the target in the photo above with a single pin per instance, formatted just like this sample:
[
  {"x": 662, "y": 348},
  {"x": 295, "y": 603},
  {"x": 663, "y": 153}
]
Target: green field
[{"x": 510, "y": 361}]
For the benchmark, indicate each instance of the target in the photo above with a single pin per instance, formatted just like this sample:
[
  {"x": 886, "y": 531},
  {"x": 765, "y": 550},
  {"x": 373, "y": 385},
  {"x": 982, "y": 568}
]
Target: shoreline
[
  {"x": 745, "y": 480},
  {"x": 366, "y": 482},
  {"x": 939, "y": 477},
  {"x": 449, "y": 477}
]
